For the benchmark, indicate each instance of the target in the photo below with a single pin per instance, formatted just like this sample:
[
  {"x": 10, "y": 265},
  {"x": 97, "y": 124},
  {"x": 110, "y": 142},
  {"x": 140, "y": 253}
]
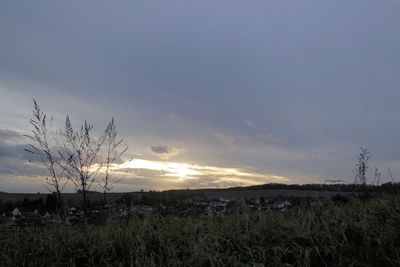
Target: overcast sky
[{"x": 236, "y": 92}]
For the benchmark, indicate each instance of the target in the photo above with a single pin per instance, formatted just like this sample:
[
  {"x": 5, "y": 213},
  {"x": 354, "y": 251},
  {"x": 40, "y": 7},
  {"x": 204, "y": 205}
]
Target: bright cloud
[{"x": 197, "y": 175}]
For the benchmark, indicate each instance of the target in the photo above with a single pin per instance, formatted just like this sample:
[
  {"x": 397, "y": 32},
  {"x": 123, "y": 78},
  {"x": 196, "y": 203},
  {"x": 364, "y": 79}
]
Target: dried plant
[
  {"x": 80, "y": 156},
  {"x": 74, "y": 155},
  {"x": 115, "y": 149},
  {"x": 362, "y": 168},
  {"x": 44, "y": 144}
]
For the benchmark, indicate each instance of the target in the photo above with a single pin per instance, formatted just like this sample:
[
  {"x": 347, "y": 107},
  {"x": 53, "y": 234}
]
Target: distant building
[
  {"x": 216, "y": 207},
  {"x": 16, "y": 219},
  {"x": 281, "y": 205}
]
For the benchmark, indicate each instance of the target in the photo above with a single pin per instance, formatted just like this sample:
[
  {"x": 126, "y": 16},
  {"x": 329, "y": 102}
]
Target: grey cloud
[
  {"x": 166, "y": 152},
  {"x": 13, "y": 150},
  {"x": 21, "y": 167},
  {"x": 10, "y": 135},
  {"x": 249, "y": 123},
  {"x": 14, "y": 159}
]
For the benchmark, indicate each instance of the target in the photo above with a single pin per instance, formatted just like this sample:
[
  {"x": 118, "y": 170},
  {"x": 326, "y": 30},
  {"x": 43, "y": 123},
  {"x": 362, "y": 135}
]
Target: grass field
[{"x": 354, "y": 234}]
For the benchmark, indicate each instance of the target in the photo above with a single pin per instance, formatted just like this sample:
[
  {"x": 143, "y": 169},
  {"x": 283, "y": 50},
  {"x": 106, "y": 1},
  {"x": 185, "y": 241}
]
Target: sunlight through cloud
[{"x": 198, "y": 174}]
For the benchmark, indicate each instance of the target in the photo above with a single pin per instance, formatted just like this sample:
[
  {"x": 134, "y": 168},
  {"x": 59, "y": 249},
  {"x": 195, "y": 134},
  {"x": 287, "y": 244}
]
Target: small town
[{"x": 36, "y": 215}]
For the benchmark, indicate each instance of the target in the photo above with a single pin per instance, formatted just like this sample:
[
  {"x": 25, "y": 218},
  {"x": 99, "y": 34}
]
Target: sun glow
[{"x": 180, "y": 172}]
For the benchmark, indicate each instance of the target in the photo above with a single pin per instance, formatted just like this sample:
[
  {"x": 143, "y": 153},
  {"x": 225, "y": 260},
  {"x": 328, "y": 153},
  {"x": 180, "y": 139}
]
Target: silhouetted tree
[
  {"x": 114, "y": 151},
  {"x": 83, "y": 155},
  {"x": 377, "y": 177},
  {"x": 75, "y": 155},
  {"x": 80, "y": 153},
  {"x": 51, "y": 203},
  {"x": 32, "y": 205},
  {"x": 125, "y": 199},
  {"x": 361, "y": 169},
  {"x": 44, "y": 144}
]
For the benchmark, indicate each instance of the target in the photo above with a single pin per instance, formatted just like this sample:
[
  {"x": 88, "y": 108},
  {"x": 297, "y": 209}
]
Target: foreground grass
[{"x": 355, "y": 234}]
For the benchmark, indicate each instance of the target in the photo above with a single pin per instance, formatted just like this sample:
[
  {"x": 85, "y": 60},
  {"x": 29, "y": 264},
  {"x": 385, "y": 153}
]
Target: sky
[{"x": 211, "y": 93}]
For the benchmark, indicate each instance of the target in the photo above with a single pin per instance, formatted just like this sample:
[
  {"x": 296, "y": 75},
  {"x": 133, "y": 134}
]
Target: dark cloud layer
[
  {"x": 9, "y": 135},
  {"x": 10, "y": 148},
  {"x": 286, "y": 87},
  {"x": 14, "y": 160}
]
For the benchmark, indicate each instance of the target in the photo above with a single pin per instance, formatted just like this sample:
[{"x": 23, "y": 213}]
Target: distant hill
[
  {"x": 272, "y": 190},
  {"x": 308, "y": 187},
  {"x": 248, "y": 192}
]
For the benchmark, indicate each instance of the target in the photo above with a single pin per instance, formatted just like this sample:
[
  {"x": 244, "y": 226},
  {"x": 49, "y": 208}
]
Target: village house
[
  {"x": 216, "y": 207},
  {"x": 144, "y": 211},
  {"x": 16, "y": 219},
  {"x": 281, "y": 205}
]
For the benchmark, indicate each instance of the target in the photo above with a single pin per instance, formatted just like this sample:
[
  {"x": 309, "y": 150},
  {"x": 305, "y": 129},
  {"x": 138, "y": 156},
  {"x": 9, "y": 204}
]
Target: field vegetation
[{"x": 359, "y": 233}]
